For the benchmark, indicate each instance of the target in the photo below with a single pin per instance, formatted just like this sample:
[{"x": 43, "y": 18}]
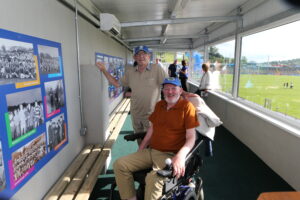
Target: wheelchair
[{"x": 188, "y": 187}]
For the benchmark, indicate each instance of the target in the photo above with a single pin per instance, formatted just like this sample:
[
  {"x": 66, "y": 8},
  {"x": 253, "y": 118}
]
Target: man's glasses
[
  {"x": 141, "y": 53},
  {"x": 173, "y": 89}
]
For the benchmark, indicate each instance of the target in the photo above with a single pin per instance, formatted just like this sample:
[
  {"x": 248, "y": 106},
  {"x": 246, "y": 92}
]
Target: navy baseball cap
[
  {"x": 141, "y": 48},
  {"x": 173, "y": 81}
]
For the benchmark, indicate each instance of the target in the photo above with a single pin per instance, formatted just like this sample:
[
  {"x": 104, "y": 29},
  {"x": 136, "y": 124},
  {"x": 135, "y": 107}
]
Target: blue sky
[{"x": 281, "y": 43}]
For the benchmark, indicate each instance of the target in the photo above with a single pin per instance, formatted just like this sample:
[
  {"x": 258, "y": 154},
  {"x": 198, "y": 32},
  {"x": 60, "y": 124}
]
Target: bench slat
[
  {"x": 77, "y": 180},
  {"x": 91, "y": 180},
  {"x": 67, "y": 176},
  {"x": 118, "y": 115},
  {"x": 80, "y": 177},
  {"x": 113, "y": 137},
  {"x": 113, "y": 115}
]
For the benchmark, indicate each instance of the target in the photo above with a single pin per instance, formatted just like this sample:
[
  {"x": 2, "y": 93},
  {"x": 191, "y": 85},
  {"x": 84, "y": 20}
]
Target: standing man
[
  {"x": 171, "y": 135},
  {"x": 172, "y": 70},
  {"x": 145, "y": 82}
]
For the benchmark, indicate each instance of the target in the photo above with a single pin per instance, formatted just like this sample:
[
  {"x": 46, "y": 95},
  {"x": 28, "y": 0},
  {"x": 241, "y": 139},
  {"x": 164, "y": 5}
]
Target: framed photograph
[
  {"x": 24, "y": 159},
  {"x": 17, "y": 63},
  {"x": 56, "y": 132},
  {"x": 25, "y": 113},
  {"x": 55, "y": 98},
  {"x": 49, "y": 61}
]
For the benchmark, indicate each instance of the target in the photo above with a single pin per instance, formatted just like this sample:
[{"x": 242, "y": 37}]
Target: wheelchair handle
[
  {"x": 135, "y": 136},
  {"x": 168, "y": 170},
  {"x": 165, "y": 173},
  {"x": 168, "y": 162}
]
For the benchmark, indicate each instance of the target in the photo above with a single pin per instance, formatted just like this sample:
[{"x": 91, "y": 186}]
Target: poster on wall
[
  {"x": 33, "y": 125},
  {"x": 115, "y": 66}
]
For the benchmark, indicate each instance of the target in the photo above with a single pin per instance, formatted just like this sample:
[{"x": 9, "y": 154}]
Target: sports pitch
[{"x": 269, "y": 91}]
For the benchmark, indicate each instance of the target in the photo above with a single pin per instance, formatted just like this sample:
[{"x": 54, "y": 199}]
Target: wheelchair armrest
[
  {"x": 135, "y": 136},
  {"x": 165, "y": 173}
]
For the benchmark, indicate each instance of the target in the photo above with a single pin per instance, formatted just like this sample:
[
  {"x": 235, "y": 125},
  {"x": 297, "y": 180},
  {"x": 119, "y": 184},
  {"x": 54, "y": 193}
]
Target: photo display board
[
  {"x": 115, "y": 66},
  {"x": 33, "y": 111}
]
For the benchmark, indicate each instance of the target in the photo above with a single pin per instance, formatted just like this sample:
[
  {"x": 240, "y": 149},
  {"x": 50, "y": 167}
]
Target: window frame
[
  {"x": 286, "y": 119},
  {"x": 276, "y": 115},
  {"x": 191, "y": 63}
]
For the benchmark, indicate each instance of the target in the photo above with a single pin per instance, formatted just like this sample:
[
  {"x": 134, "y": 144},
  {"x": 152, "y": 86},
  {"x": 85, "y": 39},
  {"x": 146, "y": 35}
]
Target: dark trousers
[{"x": 183, "y": 84}]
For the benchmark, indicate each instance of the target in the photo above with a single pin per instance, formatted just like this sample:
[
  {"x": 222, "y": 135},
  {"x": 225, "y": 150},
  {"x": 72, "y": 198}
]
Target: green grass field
[{"x": 258, "y": 88}]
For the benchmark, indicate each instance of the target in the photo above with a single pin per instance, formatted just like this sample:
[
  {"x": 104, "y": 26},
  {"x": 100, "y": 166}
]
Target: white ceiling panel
[
  {"x": 133, "y": 10},
  {"x": 147, "y": 12}
]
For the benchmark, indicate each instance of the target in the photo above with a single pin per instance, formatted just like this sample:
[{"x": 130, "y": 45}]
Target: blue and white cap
[
  {"x": 141, "y": 48},
  {"x": 173, "y": 81}
]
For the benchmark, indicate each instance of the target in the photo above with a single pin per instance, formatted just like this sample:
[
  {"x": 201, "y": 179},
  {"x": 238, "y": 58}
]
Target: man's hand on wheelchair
[{"x": 178, "y": 163}]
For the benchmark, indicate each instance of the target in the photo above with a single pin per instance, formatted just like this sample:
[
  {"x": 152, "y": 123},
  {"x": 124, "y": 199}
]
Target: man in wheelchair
[{"x": 171, "y": 135}]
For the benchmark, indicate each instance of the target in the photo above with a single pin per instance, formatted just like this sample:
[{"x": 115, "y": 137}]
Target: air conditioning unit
[{"x": 110, "y": 23}]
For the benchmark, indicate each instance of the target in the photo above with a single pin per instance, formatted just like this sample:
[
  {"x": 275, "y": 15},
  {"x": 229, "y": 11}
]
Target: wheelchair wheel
[
  {"x": 200, "y": 194},
  {"x": 191, "y": 196},
  {"x": 199, "y": 189}
]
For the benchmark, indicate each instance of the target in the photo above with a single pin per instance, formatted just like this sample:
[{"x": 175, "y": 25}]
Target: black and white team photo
[
  {"x": 56, "y": 132},
  {"x": 49, "y": 59},
  {"x": 26, "y": 157},
  {"x": 25, "y": 111},
  {"x": 54, "y": 95},
  {"x": 16, "y": 62}
]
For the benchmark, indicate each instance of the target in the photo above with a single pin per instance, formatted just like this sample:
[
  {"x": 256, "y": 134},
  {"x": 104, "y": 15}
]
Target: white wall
[
  {"x": 49, "y": 19},
  {"x": 94, "y": 85},
  {"x": 278, "y": 148}
]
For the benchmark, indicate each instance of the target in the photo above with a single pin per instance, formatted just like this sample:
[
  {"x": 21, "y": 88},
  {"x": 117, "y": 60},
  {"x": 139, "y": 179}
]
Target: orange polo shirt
[{"x": 169, "y": 126}]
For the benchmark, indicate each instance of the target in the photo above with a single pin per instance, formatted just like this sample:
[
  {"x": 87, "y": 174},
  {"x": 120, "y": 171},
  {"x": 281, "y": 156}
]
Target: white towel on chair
[{"x": 207, "y": 118}]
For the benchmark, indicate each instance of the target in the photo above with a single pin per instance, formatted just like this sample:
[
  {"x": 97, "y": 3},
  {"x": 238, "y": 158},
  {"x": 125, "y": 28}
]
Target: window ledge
[{"x": 289, "y": 124}]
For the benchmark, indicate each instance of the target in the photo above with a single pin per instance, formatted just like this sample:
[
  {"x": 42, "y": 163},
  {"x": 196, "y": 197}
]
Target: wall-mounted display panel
[
  {"x": 33, "y": 113},
  {"x": 115, "y": 66}
]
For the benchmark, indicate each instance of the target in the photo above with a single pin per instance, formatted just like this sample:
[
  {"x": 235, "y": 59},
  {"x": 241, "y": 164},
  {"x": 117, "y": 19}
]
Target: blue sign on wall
[
  {"x": 115, "y": 66},
  {"x": 33, "y": 112}
]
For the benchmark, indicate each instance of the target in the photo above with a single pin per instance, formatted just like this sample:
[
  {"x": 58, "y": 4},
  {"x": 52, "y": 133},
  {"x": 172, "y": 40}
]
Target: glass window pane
[
  {"x": 270, "y": 69},
  {"x": 195, "y": 71},
  {"x": 222, "y": 61}
]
